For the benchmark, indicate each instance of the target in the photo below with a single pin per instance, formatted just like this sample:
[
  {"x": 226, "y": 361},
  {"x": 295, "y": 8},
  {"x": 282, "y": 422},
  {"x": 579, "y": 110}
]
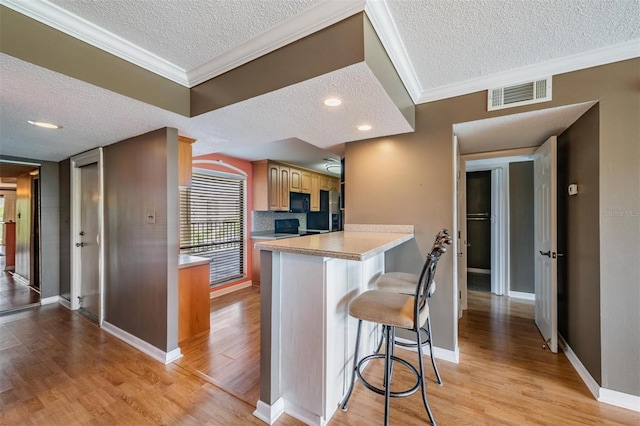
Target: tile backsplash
[{"x": 265, "y": 221}]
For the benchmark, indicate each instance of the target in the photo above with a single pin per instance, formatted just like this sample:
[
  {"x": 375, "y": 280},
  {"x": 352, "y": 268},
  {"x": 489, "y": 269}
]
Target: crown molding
[
  {"x": 310, "y": 20},
  {"x": 58, "y": 18},
  {"x": 579, "y": 61},
  {"x": 385, "y": 27},
  {"x": 307, "y": 22}
]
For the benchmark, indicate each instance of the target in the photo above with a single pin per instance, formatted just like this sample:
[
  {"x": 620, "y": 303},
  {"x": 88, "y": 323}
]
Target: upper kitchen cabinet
[
  {"x": 306, "y": 182},
  {"x": 184, "y": 160},
  {"x": 315, "y": 193},
  {"x": 271, "y": 186},
  {"x": 295, "y": 177}
]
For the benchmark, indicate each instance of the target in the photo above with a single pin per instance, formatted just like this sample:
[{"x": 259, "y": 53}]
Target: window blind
[{"x": 212, "y": 224}]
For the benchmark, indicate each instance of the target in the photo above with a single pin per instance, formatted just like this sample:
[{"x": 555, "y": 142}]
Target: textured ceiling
[
  {"x": 185, "y": 32},
  {"x": 444, "y": 42},
  {"x": 92, "y": 116},
  {"x": 453, "y": 41},
  {"x": 517, "y": 130}
]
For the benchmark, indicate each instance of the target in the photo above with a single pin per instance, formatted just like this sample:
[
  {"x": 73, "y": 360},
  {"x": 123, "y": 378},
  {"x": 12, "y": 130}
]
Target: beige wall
[{"x": 409, "y": 179}]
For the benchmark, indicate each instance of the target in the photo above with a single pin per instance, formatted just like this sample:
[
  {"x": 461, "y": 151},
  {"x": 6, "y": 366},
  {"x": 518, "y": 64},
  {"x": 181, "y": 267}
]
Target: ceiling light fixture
[
  {"x": 332, "y": 102},
  {"x": 45, "y": 125},
  {"x": 364, "y": 127},
  {"x": 333, "y": 167}
]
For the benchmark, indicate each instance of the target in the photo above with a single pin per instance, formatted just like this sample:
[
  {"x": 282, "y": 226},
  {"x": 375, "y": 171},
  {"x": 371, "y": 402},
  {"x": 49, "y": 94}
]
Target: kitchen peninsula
[{"x": 307, "y": 337}]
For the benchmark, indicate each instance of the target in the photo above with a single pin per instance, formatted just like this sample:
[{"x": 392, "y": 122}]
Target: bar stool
[
  {"x": 405, "y": 283},
  {"x": 395, "y": 310}
]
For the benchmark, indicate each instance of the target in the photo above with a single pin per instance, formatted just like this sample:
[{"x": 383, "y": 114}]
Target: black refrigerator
[{"x": 329, "y": 217}]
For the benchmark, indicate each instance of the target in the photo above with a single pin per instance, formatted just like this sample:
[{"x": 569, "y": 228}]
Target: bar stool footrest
[{"x": 381, "y": 391}]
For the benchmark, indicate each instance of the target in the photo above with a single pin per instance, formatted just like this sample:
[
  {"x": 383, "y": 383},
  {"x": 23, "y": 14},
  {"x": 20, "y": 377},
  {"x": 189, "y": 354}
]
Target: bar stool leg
[
  {"x": 433, "y": 358},
  {"x": 345, "y": 400},
  {"x": 422, "y": 381},
  {"x": 389, "y": 331}
]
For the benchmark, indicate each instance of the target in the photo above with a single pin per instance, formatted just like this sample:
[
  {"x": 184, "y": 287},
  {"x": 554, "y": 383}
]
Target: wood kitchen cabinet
[
  {"x": 315, "y": 193},
  {"x": 295, "y": 178},
  {"x": 271, "y": 186},
  {"x": 306, "y": 182},
  {"x": 184, "y": 160},
  {"x": 193, "y": 299}
]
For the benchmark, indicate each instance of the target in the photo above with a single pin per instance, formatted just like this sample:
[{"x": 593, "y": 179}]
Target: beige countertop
[
  {"x": 188, "y": 261},
  {"x": 348, "y": 245}
]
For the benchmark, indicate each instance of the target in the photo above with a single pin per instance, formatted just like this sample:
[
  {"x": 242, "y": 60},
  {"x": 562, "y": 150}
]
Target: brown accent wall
[
  {"x": 409, "y": 179},
  {"x": 141, "y": 262},
  {"x": 521, "y": 223},
  {"x": 65, "y": 228},
  {"x": 579, "y": 240},
  {"x": 32, "y": 41},
  {"x": 330, "y": 49}
]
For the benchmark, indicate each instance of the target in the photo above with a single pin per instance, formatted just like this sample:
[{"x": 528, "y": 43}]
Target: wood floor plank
[{"x": 65, "y": 370}]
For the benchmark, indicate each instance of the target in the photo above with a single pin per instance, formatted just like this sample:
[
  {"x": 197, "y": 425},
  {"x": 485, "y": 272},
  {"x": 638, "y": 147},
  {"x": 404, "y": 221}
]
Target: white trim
[
  {"x": 307, "y": 22},
  {"x": 522, "y": 295},
  {"x": 49, "y": 300},
  {"x": 230, "y": 289},
  {"x": 141, "y": 345},
  {"x": 269, "y": 413},
  {"x": 385, "y": 27},
  {"x": 619, "y": 399},
  {"x": 77, "y": 161},
  {"x": 64, "y": 302},
  {"x": 304, "y": 415},
  {"x": 604, "y": 395},
  {"x": 586, "y": 377},
  {"x": 592, "y": 58},
  {"x": 500, "y": 230},
  {"x": 439, "y": 353},
  {"x": 77, "y": 27}
]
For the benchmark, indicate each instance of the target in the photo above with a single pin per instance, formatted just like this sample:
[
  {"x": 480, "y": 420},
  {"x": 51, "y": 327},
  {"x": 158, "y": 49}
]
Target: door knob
[
  {"x": 81, "y": 233},
  {"x": 546, "y": 253},
  {"x": 80, "y": 244}
]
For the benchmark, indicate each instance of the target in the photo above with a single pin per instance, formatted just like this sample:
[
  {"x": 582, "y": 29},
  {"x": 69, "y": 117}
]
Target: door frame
[
  {"x": 500, "y": 273},
  {"x": 492, "y": 158},
  {"x": 77, "y": 161}
]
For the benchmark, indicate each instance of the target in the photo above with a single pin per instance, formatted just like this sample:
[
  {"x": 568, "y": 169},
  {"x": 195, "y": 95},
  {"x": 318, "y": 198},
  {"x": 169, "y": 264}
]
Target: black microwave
[{"x": 299, "y": 202}]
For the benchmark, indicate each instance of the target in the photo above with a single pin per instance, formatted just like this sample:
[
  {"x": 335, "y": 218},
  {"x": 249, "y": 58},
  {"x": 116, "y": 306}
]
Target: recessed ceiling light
[
  {"x": 45, "y": 125},
  {"x": 364, "y": 127},
  {"x": 332, "y": 102}
]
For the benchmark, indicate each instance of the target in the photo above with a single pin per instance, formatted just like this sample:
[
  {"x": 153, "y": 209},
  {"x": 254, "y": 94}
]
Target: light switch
[{"x": 151, "y": 216}]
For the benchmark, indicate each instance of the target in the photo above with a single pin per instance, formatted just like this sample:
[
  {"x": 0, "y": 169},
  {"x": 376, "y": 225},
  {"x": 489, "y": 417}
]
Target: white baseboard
[
  {"x": 305, "y": 416},
  {"x": 606, "y": 396},
  {"x": 269, "y": 413},
  {"x": 479, "y": 271},
  {"x": 230, "y": 289},
  {"x": 620, "y": 399},
  {"x": 439, "y": 353},
  {"x": 591, "y": 383},
  {"x": 49, "y": 300},
  {"x": 141, "y": 345},
  {"x": 64, "y": 302},
  {"x": 522, "y": 295}
]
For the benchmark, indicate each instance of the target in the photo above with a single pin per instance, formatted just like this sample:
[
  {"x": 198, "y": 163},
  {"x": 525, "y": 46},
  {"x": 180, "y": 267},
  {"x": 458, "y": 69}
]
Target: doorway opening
[{"x": 20, "y": 273}]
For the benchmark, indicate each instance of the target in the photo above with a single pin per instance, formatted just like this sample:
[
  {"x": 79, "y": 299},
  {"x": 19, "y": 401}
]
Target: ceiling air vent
[{"x": 519, "y": 94}]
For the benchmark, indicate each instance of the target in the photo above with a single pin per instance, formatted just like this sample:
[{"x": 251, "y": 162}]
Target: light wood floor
[{"x": 56, "y": 367}]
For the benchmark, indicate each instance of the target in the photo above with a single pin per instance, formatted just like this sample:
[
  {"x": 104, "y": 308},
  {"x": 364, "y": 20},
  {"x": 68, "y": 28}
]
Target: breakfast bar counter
[{"x": 306, "y": 335}]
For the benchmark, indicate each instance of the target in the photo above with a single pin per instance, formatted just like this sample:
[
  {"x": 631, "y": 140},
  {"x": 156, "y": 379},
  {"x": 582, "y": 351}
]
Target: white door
[
  {"x": 87, "y": 241},
  {"x": 546, "y": 242}
]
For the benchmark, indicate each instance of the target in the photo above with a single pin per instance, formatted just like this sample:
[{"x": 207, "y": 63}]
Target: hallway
[
  {"x": 58, "y": 367},
  {"x": 14, "y": 294}
]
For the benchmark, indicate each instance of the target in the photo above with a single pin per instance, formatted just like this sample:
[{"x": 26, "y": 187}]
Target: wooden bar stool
[
  {"x": 395, "y": 310},
  {"x": 405, "y": 283}
]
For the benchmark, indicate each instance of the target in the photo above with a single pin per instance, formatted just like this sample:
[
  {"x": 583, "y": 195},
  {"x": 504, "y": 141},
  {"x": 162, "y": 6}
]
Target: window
[{"x": 212, "y": 223}]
